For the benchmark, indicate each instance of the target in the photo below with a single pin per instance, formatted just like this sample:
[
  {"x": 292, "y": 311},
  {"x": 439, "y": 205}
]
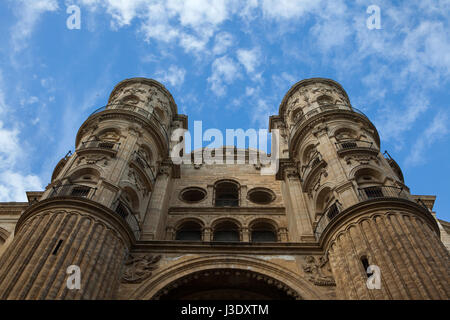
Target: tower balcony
[
  {"x": 107, "y": 147},
  {"x": 364, "y": 194},
  {"x": 134, "y": 108},
  {"x": 353, "y": 145},
  {"x": 303, "y": 121},
  {"x": 82, "y": 191}
]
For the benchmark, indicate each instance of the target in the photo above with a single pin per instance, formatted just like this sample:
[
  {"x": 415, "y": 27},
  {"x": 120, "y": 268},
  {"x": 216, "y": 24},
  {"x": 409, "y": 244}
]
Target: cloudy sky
[{"x": 232, "y": 58}]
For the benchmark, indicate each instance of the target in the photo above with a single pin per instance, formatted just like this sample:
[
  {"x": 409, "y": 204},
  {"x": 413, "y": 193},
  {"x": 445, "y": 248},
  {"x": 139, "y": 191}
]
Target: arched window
[
  {"x": 226, "y": 231},
  {"x": 263, "y": 232},
  {"x": 227, "y": 194},
  {"x": 189, "y": 231}
]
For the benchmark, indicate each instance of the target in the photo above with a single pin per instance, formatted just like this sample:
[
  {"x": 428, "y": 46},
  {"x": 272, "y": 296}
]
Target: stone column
[
  {"x": 299, "y": 219},
  {"x": 156, "y": 213}
]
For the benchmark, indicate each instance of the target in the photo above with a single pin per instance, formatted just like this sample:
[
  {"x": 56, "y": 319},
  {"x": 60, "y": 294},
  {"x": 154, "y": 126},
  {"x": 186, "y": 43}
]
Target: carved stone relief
[
  {"x": 318, "y": 271},
  {"x": 139, "y": 267}
]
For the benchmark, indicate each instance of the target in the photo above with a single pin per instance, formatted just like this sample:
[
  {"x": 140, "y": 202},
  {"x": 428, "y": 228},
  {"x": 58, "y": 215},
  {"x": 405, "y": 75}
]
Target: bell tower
[
  {"x": 351, "y": 198},
  {"x": 98, "y": 201}
]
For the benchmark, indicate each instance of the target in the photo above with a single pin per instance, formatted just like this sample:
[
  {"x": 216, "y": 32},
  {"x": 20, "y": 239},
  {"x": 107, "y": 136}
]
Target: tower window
[{"x": 55, "y": 251}]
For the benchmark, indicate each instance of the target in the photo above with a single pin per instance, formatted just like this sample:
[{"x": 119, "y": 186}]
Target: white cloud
[
  {"x": 192, "y": 22},
  {"x": 224, "y": 71},
  {"x": 250, "y": 59},
  {"x": 222, "y": 42},
  {"x": 261, "y": 113},
  {"x": 395, "y": 121},
  {"x": 173, "y": 75},
  {"x": 289, "y": 9},
  {"x": 14, "y": 184},
  {"x": 28, "y": 13},
  {"x": 437, "y": 130}
]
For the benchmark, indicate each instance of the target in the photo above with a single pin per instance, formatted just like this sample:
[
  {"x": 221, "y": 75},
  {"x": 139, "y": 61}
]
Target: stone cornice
[
  {"x": 12, "y": 208},
  {"x": 230, "y": 210},
  {"x": 173, "y": 246}
]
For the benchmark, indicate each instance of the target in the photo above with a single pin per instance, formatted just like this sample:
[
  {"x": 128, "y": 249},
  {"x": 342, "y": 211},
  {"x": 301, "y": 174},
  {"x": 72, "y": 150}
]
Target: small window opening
[
  {"x": 365, "y": 263},
  {"x": 55, "y": 251}
]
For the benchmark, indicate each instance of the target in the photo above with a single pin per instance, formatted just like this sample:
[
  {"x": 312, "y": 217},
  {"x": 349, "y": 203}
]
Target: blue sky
[{"x": 227, "y": 63}]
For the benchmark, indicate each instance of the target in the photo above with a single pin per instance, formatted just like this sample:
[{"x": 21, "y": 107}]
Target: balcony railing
[
  {"x": 107, "y": 146},
  {"x": 227, "y": 202},
  {"x": 352, "y": 144},
  {"x": 377, "y": 192},
  {"x": 139, "y": 159},
  {"x": 125, "y": 212},
  {"x": 323, "y": 108},
  {"x": 329, "y": 214},
  {"x": 134, "y": 108},
  {"x": 315, "y": 160},
  {"x": 73, "y": 190}
]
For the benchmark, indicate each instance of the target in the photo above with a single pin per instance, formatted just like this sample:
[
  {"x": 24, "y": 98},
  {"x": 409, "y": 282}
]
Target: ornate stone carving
[
  {"x": 102, "y": 160},
  {"x": 139, "y": 267},
  {"x": 361, "y": 159},
  {"x": 109, "y": 136},
  {"x": 318, "y": 271}
]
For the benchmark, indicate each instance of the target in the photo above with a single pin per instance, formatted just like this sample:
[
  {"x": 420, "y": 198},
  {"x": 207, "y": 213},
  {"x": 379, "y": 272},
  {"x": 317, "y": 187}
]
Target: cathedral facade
[{"x": 336, "y": 220}]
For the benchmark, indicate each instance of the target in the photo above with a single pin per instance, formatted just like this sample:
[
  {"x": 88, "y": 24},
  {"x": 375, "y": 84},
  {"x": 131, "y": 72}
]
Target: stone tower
[
  {"x": 140, "y": 227},
  {"x": 360, "y": 210},
  {"x": 93, "y": 210}
]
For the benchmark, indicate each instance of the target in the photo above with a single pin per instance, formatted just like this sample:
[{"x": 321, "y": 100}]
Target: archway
[
  {"x": 225, "y": 284},
  {"x": 272, "y": 274}
]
